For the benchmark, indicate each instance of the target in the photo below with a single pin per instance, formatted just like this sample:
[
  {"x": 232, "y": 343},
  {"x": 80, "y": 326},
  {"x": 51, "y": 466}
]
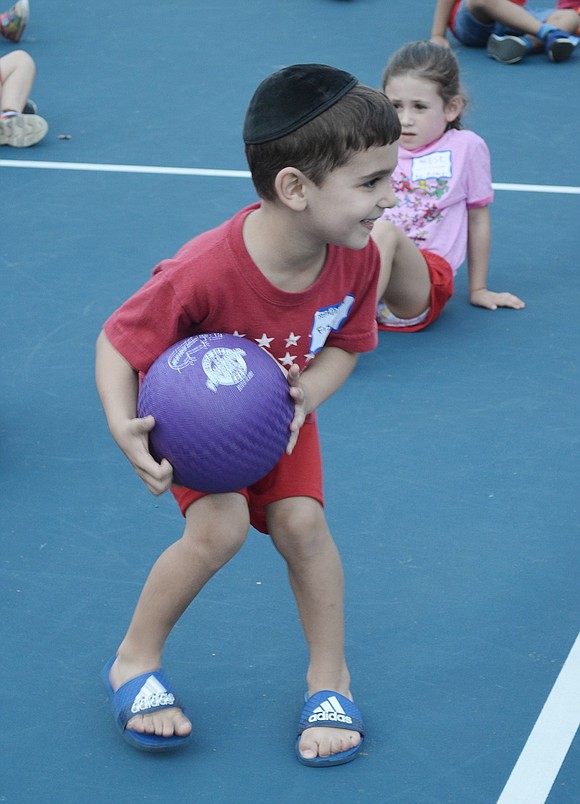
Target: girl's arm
[
  {"x": 478, "y": 246},
  {"x": 316, "y": 384},
  {"x": 441, "y": 16},
  {"x": 118, "y": 385}
]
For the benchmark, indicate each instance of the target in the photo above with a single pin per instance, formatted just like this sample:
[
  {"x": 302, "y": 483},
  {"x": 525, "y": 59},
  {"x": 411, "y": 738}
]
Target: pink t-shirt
[
  {"x": 435, "y": 187},
  {"x": 213, "y": 285}
]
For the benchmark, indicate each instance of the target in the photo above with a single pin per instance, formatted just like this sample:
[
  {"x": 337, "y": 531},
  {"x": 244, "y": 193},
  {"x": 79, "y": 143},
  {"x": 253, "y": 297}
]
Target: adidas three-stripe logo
[
  {"x": 330, "y": 710},
  {"x": 152, "y": 694}
]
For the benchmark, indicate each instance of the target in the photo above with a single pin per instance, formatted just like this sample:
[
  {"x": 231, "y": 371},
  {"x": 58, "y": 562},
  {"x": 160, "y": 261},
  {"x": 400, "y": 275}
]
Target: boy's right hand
[{"x": 134, "y": 442}]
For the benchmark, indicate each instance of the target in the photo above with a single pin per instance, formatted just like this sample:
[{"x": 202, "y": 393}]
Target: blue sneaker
[
  {"x": 508, "y": 48},
  {"x": 560, "y": 45}
]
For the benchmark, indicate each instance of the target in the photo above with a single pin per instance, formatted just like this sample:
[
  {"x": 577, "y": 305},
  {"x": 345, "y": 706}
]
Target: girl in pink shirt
[{"x": 442, "y": 183}]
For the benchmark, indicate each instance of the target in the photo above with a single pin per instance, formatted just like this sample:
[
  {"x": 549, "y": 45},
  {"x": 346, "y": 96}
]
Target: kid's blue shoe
[
  {"x": 560, "y": 45},
  {"x": 508, "y": 48},
  {"x": 146, "y": 693},
  {"x": 332, "y": 710}
]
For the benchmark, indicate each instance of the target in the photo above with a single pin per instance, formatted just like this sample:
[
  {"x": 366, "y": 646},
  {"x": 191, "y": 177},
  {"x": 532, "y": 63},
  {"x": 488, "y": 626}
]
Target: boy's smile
[{"x": 353, "y": 197}]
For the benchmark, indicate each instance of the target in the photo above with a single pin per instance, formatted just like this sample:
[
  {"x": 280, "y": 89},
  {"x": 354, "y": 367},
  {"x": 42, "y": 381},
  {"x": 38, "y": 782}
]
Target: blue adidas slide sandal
[
  {"x": 333, "y": 710},
  {"x": 146, "y": 693}
]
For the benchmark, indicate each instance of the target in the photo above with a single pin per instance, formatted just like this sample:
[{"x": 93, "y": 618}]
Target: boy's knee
[
  {"x": 297, "y": 522},
  {"x": 216, "y": 532}
]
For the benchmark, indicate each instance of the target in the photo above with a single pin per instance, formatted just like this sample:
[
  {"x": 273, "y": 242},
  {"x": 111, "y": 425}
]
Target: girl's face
[{"x": 423, "y": 114}]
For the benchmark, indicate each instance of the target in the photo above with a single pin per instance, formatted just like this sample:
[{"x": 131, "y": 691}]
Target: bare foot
[
  {"x": 165, "y": 722},
  {"x": 317, "y": 742}
]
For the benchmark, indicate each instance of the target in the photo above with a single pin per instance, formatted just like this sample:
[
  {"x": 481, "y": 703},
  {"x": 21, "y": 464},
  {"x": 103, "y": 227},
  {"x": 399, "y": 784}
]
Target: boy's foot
[
  {"x": 22, "y": 130},
  {"x": 330, "y": 731},
  {"x": 560, "y": 45},
  {"x": 508, "y": 49},
  {"x": 13, "y": 22},
  {"x": 148, "y": 714}
]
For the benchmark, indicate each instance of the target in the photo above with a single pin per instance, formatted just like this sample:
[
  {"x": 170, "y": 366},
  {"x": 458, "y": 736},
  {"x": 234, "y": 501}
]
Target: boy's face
[{"x": 344, "y": 208}]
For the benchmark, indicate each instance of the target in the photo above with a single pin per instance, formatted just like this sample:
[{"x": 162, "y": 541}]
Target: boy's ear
[
  {"x": 454, "y": 108},
  {"x": 290, "y": 184}
]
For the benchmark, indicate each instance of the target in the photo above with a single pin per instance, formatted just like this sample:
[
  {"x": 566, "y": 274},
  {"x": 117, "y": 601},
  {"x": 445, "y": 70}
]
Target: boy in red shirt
[{"x": 297, "y": 273}]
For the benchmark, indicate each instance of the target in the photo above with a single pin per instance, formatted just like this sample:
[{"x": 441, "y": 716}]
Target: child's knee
[
  {"x": 297, "y": 523},
  {"x": 24, "y": 61},
  {"x": 216, "y": 532},
  {"x": 565, "y": 19}
]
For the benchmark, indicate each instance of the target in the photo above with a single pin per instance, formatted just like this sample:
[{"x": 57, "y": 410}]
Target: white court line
[
  {"x": 101, "y": 168},
  {"x": 542, "y": 757},
  {"x": 236, "y": 174}
]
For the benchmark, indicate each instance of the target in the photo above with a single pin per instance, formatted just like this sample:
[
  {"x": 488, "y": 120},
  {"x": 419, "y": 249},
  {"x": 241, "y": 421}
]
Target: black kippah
[{"x": 292, "y": 97}]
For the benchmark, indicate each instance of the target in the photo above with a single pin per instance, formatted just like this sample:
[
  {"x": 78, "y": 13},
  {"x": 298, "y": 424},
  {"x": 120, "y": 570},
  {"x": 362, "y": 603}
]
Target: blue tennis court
[{"x": 451, "y": 455}]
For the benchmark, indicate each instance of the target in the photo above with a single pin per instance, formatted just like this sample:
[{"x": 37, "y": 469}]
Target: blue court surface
[{"x": 451, "y": 456}]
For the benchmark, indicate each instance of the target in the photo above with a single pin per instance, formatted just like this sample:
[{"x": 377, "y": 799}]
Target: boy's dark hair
[
  {"x": 432, "y": 62},
  {"x": 361, "y": 119}
]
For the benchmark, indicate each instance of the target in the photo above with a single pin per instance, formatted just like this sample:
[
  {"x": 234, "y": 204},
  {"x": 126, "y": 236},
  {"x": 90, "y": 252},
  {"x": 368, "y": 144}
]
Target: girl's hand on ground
[
  {"x": 298, "y": 397},
  {"x": 491, "y": 300}
]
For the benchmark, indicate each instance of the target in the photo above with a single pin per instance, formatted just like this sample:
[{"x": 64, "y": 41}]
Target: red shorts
[
  {"x": 441, "y": 276},
  {"x": 296, "y": 475}
]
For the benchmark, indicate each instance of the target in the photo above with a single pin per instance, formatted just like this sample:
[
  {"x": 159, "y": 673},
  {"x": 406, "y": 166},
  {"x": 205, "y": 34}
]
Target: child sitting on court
[
  {"x": 443, "y": 187},
  {"x": 18, "y": 127},
  {"x": 296, "y": 272},
  {"x": 507, "y": 28}
]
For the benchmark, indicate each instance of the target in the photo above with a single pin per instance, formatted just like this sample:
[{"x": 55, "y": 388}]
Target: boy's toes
[
  {"x": 166, "y": 723},
  {"x": 327, "y": 742}
]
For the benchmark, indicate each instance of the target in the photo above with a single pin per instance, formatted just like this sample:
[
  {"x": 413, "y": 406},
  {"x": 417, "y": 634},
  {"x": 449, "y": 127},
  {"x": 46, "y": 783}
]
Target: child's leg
[
  {"x": 564, "y": 19},
  {"x": 17, "y": 72},
  {"x": 215, "y": 529},
  {"x": 505, "y": 12},
  {"x": 300, "y": 533},
  {"x": 404, "y": 283}
]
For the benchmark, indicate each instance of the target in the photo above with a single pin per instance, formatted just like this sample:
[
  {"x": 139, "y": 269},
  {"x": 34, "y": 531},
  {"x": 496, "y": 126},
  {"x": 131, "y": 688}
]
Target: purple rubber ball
[{"x": 222, "y": 411}]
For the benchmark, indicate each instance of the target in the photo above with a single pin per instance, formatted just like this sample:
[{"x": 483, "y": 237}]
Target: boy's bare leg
[
  {"x": 404, "y": 282},
  {"x": 301, "y": 535},
  {"x": 215, "y": 529}
]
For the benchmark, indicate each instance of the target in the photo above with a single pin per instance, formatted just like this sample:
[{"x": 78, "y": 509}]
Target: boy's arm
[
  {"x": 316, "y": 384},
  {"x": 118, "y": 386},
  {"x": 440, "y": 22},
  {"x": 478, "y": 245}
]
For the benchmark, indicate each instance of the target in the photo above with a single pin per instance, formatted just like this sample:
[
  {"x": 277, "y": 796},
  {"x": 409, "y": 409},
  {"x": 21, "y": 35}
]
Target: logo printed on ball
[
  {"x": 184, "y": 355},
  {"x": 223, "y": 366}
]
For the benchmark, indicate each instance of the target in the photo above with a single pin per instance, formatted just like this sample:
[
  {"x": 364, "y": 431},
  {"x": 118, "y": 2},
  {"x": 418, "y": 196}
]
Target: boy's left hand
[
  {"x": 492, "y": 300},
  {"x": 298, "y": 397}
]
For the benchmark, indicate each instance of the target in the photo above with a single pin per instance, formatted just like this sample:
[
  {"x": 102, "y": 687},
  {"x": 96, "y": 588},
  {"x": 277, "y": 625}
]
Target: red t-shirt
[{"x": 212, "y": 285}]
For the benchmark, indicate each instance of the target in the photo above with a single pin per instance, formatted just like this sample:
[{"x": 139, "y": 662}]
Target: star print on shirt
[
  {"x": 292, "y": 340},
  {"x": 264, "y": 341},
  {"x": 288, "y": 359}
]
